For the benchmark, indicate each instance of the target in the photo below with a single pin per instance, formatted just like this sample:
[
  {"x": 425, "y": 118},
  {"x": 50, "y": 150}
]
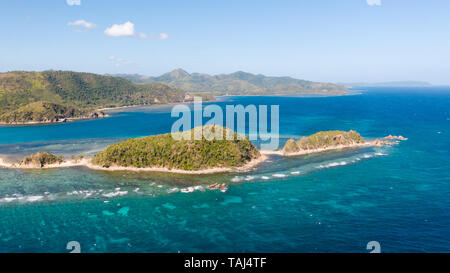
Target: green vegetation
[
  {"x": 239, "y": 83},
  {"x": 165, "y": 151},
  {"x": 41, "y": 159},
  {"x": 323, "y": 139},
  {"x": 82, "y": 92},
  {"x": 41, "y": 112}
]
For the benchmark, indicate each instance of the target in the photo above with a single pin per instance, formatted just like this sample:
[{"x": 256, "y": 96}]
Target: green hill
[
  {"x": 322, "y": 140},
  {"x": 164, "y": 151},
  {"x": 41, "y": 112},
  {"x": 239, "y": 83},
  {"x": 80, "y": 92}
]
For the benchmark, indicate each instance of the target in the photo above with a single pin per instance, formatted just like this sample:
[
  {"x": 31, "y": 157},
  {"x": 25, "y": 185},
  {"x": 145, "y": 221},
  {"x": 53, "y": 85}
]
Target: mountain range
[{"x": 238, "y": 83}]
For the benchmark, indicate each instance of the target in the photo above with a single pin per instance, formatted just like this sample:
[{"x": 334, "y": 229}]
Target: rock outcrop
[
  {"x": 40, "y": 160},
  {"x": 391, "y": 137},
  {"x": 217, "y": 186}
]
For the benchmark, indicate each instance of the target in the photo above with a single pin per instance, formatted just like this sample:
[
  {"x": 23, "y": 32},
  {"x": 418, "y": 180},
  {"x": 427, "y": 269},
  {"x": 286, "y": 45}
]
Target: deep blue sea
[{"x": 398, "y": 196}]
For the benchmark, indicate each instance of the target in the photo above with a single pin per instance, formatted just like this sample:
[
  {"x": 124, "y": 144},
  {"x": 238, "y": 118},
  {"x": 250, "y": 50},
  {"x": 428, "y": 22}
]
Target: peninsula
[{"x": 60, "y": 96}]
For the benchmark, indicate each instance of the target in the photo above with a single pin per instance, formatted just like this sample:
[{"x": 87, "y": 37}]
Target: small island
[
  {"x": 330, "y": 140},
  {"x": 41, "y": 160},
  {"x": 164, "y": 153}
]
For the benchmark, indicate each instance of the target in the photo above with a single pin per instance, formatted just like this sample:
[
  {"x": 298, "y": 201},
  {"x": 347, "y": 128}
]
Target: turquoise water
[{"x": 332, "y": 202}]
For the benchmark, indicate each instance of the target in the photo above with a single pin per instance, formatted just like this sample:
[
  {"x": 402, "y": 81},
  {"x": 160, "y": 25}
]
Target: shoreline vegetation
[
  {"x": 103, "y": 112},
  {"x": 47, "y": 113},
  {"x": 189, "y": 98},
  {"x": 161, "y": 153}
]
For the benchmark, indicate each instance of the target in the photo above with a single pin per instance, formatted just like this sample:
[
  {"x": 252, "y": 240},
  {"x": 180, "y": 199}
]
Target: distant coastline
[
  {"x": 112, "y": 109},
  {"x": 237, "y": 83},
  {"x": 106, "y": 109},
  {"x": 48, "y": 97},
  {"x": 66, "y": 120}
]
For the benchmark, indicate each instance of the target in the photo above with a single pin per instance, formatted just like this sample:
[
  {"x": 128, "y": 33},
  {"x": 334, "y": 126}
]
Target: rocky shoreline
[
  {"x": 377, "y": 143},
  {"x": 320, "y": 150},
  {"x": 95, "y": 115},
  {"x": 86, "y": 162}
]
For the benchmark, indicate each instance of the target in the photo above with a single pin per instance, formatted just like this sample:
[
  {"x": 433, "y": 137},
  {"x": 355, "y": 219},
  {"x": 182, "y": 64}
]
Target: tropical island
[
  {"x": 330, "y": 140},
  {"x": 172, "y": 153},
  {"x": 164, "y": 152},
  {"x": 60, "y": 96}
]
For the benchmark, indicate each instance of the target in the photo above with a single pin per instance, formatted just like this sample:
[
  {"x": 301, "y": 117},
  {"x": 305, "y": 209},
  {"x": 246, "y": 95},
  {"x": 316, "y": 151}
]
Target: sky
[{"x": 320, "y": 40}]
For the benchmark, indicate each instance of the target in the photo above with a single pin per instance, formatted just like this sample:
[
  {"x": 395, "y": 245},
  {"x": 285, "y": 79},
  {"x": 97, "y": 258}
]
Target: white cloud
[
  {"x": 126, "y": 29},
  {"x": 163, "y": 36},
  {"x": 373, "y": 2},
  {"x": 73, "y": 2},
  {"x": 117, "y": 30},
  {"x": 81, "y": 23}
]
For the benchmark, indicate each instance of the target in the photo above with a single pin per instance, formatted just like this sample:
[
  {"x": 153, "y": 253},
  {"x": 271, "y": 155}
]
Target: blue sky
[{"x": 321, "y": 40}]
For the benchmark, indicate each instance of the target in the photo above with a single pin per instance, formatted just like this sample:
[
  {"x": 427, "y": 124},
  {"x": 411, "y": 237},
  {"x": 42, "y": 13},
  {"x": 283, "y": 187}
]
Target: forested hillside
[
  {"x": 166, "y": 152},
  {"x": 81, "y": 92},
  {"x": 240, "y": 83}
]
